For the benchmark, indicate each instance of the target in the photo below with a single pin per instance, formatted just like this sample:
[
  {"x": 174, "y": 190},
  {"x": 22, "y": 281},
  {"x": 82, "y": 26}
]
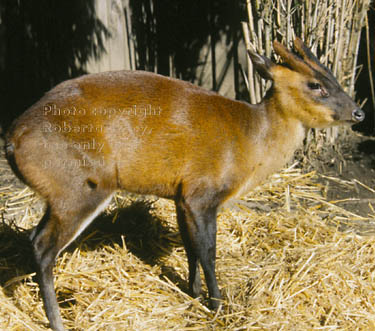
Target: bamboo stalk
[
  {"x": 369, "y": 62},
  {"x": 250, "y": 71},
  {"x": 289, "y": 23}
]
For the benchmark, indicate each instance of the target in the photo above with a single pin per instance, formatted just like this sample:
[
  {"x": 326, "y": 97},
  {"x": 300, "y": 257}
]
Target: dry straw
[{"x": 283, "y": 264}]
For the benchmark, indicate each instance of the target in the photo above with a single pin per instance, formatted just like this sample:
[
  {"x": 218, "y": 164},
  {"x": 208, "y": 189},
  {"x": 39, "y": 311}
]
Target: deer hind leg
[{"x": 57, "y": 229}]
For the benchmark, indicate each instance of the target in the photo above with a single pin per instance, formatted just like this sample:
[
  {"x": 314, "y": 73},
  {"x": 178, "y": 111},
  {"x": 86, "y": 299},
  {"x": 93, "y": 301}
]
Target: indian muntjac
[{"x": 144, "y": 133}]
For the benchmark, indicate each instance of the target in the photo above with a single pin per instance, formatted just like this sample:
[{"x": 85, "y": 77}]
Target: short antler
[
  {"x": 291, "y": 59},
  {"x": 312, "y": 60}
]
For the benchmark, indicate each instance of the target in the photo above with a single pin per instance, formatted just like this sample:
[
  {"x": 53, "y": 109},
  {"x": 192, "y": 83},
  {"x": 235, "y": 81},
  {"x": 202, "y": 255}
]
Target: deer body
[
  {"x": 232, "y": 145},
  {"x": 148, "y": 134}
]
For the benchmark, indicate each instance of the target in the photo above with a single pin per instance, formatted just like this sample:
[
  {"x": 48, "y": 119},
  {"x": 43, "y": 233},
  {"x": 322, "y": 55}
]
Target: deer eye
[
  {"x": 314, "y": 86},
  {"x": 318, "y": 89}
]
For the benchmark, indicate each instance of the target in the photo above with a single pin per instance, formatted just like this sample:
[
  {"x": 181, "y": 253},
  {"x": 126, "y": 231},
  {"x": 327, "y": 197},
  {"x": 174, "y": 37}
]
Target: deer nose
[{"x": 358, "y": 115}]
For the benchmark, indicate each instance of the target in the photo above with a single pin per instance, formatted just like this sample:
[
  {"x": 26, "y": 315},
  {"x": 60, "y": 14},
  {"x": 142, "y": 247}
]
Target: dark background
[{"x": 45, "y": 42}]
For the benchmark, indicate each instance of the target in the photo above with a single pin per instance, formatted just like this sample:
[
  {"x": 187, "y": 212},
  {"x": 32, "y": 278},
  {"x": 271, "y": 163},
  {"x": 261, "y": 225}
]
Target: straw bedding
[{"x": 283, "y": 263}]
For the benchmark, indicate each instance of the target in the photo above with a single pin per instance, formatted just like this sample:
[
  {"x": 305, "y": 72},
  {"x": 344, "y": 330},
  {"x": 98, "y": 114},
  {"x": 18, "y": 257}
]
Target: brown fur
[{"x": 190, "y": 134}]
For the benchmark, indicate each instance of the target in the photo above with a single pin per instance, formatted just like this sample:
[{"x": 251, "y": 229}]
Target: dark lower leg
[
  {"x": 46, "y": 284},
  {"x": 45, "y": 251},
  {"x": 198, "y": 231},
  {"x": 194, "y": 274},
  {"x": 206, "y": 248}
]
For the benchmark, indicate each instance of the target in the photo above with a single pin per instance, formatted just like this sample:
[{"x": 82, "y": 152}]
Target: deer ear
[{"x": 262, "y": 64}]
